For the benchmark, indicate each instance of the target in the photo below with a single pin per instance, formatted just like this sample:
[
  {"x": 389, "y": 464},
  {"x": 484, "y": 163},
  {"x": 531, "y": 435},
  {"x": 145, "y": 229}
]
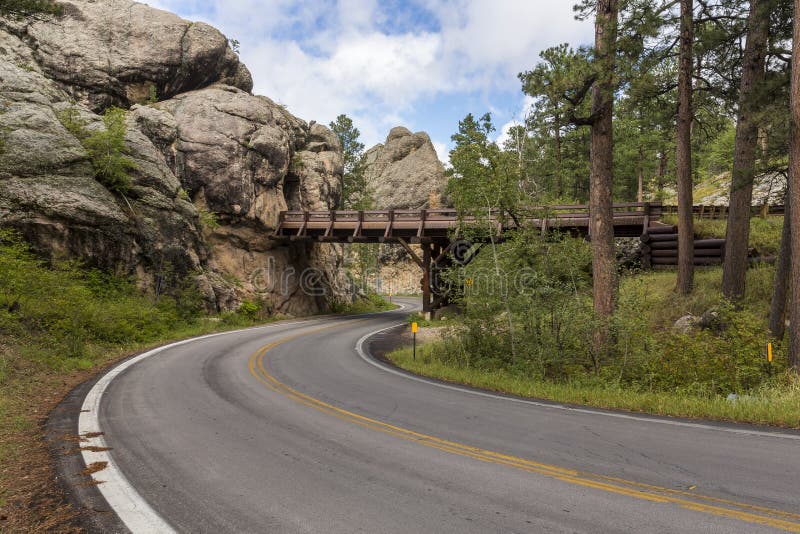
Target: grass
[
  {"x": 34, "y": 382},
  {"x": 765, "y": 233},
  {"x": 59, "y": 325},
  {"x": 655, "y": 369},
  {"x": 666, "y": 306},
  {"x": 370, "y": 304},
  {"x": 418, "y": 318},
  {"x": 771, "y": 405}
]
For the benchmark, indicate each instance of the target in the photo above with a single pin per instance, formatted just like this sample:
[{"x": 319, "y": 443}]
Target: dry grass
[{"x": 30, "y": 498}]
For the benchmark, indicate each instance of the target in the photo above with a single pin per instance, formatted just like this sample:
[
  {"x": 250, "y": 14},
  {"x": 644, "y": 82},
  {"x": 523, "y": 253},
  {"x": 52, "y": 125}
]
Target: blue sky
[{"x": 419, "y": 64}]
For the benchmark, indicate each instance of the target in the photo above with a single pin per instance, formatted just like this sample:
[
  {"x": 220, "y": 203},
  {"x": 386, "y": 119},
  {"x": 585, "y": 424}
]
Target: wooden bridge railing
[{"x": 629, "y": 219}]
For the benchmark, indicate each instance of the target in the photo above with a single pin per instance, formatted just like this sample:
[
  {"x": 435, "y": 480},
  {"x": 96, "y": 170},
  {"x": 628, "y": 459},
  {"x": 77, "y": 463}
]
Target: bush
[
  {"x": 552, "y": 317},
  {"x": 368, "y": 304},
  {"x": 105, "y": 147},
  {"x": 63, "y": 311}
]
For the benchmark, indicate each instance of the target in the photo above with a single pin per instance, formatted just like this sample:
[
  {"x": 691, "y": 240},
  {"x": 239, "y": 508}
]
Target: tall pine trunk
[
  {"x": 640, "y": 170},
  {"x": 559, "y": 173},
  {"x": 777, "y": 309},
  {"x": 734, "y": 269},
  {"x": 683, "y": 152},
  {"x": 604, "y": 269},
  {"x": 794, "y": 198}
]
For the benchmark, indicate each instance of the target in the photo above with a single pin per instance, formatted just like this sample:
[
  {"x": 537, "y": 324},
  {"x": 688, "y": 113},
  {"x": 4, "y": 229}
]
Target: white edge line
[
  {"x": 654, "y": 419},
  {"x": 122, "y": 497}
]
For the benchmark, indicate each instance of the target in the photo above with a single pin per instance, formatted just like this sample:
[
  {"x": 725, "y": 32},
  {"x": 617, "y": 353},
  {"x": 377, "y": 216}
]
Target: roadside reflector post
[
  {"x": 414, "y": 328},
  {"x": 769, "y": 358}
]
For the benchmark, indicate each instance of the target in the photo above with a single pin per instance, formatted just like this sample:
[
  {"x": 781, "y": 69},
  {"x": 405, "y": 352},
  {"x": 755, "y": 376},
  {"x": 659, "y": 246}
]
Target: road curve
[{"x": 287, "y": 428}]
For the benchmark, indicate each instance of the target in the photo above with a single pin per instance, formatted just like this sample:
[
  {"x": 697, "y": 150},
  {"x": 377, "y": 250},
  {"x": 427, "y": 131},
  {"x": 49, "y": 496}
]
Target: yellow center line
[{"x": 745, "y": 512}]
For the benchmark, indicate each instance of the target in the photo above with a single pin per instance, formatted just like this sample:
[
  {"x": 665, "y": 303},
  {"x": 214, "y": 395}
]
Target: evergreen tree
[{"x": 354, "y": 187}]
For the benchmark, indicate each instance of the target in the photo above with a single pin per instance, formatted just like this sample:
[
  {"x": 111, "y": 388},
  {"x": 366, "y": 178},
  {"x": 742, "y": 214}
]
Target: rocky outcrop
[
  {"x": 405, "y": 172},
  {"x": 214, "y": 164},
  {"x": 768, "y": 189},
  {"x": 121, "y": 52}
]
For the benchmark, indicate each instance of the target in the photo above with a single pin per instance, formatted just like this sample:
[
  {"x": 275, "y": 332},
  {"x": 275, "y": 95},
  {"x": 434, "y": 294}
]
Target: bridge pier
[{"x": 426, "y": 279}]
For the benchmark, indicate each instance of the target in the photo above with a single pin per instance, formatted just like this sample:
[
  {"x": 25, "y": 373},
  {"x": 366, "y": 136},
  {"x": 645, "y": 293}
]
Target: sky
[{"x": 420, "y": 64}]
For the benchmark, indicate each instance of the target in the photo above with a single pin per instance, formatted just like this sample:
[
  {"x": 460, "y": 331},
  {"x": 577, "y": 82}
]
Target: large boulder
[
  {"x": 122, "y": 52},
  {"x": 246, "y": 159},
  {"x": 214, "y": 165},
  {"x": 405, "y": 172}
]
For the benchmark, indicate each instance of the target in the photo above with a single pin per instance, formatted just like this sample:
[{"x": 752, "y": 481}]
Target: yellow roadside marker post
[
  {"x": 414, "y": 328},
  {"x": 769, "y": 358}
]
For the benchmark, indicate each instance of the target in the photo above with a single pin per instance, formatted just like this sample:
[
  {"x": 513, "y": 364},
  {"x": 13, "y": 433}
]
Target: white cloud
[
  {"x": 442, "y": 152},
  {"x": 517, "y": 119},
  {"x": 362, "y": 58}
]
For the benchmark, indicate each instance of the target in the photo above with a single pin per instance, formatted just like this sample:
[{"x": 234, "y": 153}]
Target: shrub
[
  {"x": 63, "y": 311},
  {"x": 105, "y": 147}
]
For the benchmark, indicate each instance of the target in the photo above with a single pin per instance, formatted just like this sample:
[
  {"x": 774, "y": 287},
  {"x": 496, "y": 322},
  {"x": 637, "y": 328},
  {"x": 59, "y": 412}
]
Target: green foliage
[
  {"x": 355, "y": 191},
  {"x": 249, "y": 308},
  {"x": 209, "y": 220},
  {"x": 483, "y": 177},
  {"x": 71, "y": 119},
  {"x": 152, "y": 95},
  {"x": 363, "y": 264},
  {"x": 545, "y": 285},
  {"x": 775, "y": 402},
  {"x": 64, "y": 311},
  {"x": 765, "y": 233},
  {"x": 107, "y": 151},
  {"x": 716, "y": 157},
  {"x": 29, "y": 8},
  {"x": 371, "y": 303},
  {"x": 105, "y": 147}
]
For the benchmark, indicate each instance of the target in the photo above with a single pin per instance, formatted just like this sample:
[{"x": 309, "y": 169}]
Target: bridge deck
[{"x": 435, "y": 225}]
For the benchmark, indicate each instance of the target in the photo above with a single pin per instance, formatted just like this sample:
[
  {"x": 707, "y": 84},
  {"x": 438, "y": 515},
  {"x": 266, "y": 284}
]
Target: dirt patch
[{"x": 31, "y": 497}]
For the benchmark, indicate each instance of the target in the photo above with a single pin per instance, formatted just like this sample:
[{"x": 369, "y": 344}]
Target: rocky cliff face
[
  {"x": 214, "y": 163},
  {"x": 404, "y": 172}
]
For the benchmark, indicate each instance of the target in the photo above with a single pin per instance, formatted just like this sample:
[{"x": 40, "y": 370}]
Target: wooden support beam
[
  {"x": 329, "y": 229},
  {"x": 302, "y": 230},
  {"x": 390, "y": 224},
  {"x": 421, "y": 229},
  {"x": 281, "y": 217},
  {"x": 411, "y": 252},
  {"x": 357, "y": 231},
  {"x": 426, "y": 278}
]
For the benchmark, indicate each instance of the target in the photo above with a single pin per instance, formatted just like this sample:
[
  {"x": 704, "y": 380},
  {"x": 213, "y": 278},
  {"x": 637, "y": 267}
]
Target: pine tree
[{"x": 683, "y": 145}]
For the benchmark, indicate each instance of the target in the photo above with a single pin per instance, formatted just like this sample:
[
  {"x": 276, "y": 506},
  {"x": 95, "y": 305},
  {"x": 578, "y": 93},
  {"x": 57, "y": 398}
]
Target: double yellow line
[{"x": 700, "y": 503}]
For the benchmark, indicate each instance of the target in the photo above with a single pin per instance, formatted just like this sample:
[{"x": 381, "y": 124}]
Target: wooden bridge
[
  {"x": 435, "y": 230},
  {"x": 438, "y": 225}
]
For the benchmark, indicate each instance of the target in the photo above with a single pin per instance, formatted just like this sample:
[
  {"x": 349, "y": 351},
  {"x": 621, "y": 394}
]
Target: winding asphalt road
[{"x": 289, "y": 428}]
